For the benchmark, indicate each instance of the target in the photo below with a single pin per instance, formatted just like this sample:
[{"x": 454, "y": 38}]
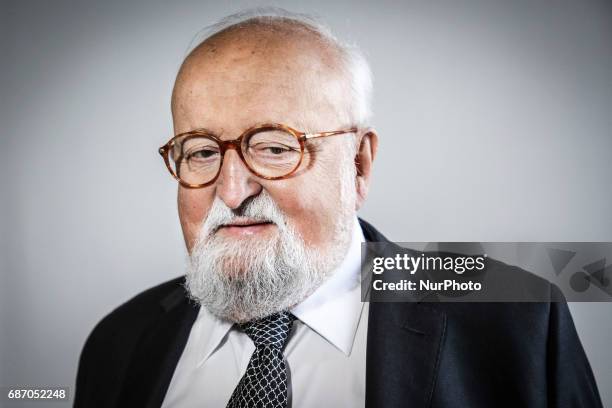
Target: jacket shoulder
[
  {"x": 106, "y": 354},
  {"x": 137, "y": 311}
]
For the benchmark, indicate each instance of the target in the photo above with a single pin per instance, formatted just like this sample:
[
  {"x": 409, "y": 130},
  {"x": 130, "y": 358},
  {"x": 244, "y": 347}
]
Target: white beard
[{"x": 250, "y": 278}]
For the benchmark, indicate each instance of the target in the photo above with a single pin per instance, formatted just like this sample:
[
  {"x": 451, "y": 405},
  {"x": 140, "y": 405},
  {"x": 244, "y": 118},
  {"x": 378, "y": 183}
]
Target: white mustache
[{"x": 260, "y": 209}]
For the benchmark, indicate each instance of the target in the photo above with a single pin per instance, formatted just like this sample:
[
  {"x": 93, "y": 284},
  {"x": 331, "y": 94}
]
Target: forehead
[{"x": 232, "y": 82}]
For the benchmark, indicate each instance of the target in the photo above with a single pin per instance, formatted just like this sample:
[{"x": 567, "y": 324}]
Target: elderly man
[{"x": 273, "y": 156}]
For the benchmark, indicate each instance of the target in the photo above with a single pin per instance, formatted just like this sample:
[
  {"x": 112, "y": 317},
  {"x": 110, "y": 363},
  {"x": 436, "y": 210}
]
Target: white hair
[{"x": 353, "y": 63}]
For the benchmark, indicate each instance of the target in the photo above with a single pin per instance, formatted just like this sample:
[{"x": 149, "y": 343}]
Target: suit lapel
[
  {"x": 158, "y": 352},
  {"x": 403, "y": 349}
]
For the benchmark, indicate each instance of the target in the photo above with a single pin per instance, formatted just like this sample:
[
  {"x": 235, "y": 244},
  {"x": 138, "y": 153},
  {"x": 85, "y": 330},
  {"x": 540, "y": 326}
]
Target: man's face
[{"x": 230, "y": 86}]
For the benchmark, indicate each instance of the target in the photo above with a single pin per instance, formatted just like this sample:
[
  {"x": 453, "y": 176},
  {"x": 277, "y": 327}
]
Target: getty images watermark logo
[
  {"x": 428, "y": 263},
  {"x": 487, "y": 271}
]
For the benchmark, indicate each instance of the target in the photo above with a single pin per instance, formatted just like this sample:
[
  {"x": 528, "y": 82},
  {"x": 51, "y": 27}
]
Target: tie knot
[{"x": 271, "y": 330}]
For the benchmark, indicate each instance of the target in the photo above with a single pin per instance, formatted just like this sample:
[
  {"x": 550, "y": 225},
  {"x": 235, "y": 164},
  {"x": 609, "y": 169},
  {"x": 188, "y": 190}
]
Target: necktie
[{"x": 264, "y": 383}]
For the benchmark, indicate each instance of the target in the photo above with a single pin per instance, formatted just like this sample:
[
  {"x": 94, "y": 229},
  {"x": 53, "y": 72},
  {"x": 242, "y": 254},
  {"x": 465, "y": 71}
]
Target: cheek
[
  {"x": 311, "y": 204},
  {"x": 193, "y": 206}
]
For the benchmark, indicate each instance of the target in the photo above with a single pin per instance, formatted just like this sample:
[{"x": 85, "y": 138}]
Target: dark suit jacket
[{"x": 418, "y": 354}]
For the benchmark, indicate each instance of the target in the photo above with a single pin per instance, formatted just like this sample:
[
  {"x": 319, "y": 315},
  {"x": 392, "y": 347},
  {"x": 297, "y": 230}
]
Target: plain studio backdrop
[{"x": 494, "y": 120}]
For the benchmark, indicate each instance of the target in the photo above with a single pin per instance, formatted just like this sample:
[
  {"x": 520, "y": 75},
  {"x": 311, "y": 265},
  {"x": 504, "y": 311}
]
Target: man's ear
[{"x": 366, "y": 152}]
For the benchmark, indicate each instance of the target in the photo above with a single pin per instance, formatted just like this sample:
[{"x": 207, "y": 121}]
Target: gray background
[{"x": 494, "y": 118}]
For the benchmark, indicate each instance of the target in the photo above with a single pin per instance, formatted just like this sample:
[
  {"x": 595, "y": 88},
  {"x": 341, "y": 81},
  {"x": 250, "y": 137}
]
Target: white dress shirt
[{"x": 325, "y": 353}]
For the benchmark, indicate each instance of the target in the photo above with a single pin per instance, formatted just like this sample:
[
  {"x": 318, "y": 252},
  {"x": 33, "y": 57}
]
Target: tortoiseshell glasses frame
[{"x": 238, "y": 146}]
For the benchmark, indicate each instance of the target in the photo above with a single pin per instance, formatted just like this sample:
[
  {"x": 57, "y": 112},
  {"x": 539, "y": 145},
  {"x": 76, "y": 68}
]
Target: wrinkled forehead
[{"x": 238, "y": 79}]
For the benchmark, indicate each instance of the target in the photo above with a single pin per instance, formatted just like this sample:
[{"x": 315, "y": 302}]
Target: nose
[{"x": 235, "y": 183}]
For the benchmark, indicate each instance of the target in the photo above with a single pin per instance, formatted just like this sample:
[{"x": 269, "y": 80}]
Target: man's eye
[
  {"x": 202, "y": 154},
  {"x": 275, "y": 149}
]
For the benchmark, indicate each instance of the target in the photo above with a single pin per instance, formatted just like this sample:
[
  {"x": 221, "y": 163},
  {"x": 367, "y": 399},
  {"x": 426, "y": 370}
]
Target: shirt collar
[
  {"x": 333, "y": 310},
  {"x": 212, "y": 331}
]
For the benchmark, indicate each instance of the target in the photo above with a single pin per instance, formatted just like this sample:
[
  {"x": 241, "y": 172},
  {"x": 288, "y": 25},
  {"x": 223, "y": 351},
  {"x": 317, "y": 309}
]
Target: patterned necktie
[{"x": 264, "y": 383}]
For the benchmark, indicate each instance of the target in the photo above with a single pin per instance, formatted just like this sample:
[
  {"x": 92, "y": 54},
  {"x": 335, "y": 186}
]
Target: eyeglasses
[{"x": 271, "y": 151}]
